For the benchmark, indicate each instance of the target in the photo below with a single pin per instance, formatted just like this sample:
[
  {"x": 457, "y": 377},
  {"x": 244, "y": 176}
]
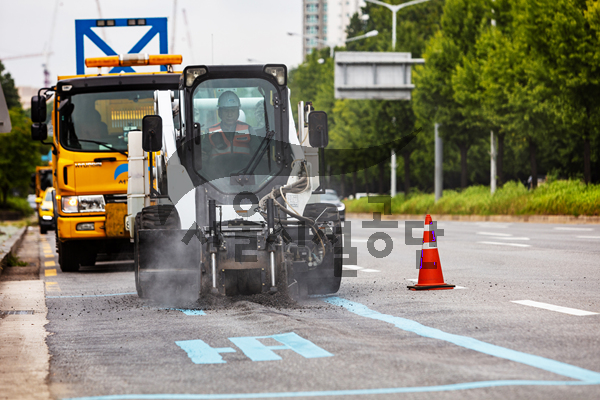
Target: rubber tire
[
  {"x": 43, "y": 230},
  {"x": 68, "y": 256},
  {"x": 160, "y": 217},
  {"x": 152, "y": 217},
  {"x": 136, "y": 256}
]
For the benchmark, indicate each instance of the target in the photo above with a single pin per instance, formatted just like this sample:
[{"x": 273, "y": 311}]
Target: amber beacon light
[{"x": 130, "y": 60}]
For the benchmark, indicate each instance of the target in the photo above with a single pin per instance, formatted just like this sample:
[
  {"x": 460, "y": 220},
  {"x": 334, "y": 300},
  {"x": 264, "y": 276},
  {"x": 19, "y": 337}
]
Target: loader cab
[{"x": 236, "y": 127}]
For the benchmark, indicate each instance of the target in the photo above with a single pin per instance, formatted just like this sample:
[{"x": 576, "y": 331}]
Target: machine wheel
[
  {"x": 243, "y": 282},
  {"x": 68, "y": 256},
  {"x": 136, "y": 255},
  {"x": 43, "y": 229},
  {"x": 160, "y": 217},
  {"x": 152, "y": 217}
]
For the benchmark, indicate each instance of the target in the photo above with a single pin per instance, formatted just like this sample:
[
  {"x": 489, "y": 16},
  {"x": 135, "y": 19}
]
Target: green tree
[
  {"x": 18, "y": 155},
  {"x": 569, "y": 54},
  {"x": 435, "y": 99},
  {"x": 8, "y": 86}
]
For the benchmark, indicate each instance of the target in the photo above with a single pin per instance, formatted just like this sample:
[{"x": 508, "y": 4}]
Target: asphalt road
[{"x": 374, "y": 339}]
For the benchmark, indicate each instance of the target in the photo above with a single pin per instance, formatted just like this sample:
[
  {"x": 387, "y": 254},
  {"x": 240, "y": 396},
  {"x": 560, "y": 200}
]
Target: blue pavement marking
[
  {"x": 91, "y": 295},
  {"x": 257, "y": 351},
  {"x": 187, "y": 312},
  {"x": 324, "y": 393},
  {"x": 408, "y": 325},
  {"x": 202, "y": 353}
]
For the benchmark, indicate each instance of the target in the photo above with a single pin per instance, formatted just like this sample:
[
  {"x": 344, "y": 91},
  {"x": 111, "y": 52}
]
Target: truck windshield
[
  {"x": 100, "y": 122},
  {"x": 239, "y": 128}
]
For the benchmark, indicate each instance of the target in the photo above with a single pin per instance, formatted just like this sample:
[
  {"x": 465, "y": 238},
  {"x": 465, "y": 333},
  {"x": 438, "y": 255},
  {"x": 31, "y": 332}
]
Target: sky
[{"x": 219, "y": 32}]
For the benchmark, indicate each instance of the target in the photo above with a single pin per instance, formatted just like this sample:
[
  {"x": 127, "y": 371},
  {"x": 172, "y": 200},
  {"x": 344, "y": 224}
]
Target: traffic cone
[{"x": 430, "y": 270}]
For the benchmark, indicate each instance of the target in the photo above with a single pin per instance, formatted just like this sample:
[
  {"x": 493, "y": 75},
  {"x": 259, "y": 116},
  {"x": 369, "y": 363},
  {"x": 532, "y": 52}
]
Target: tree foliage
[
  {"x": 528, "y": 70},
  {"x": 18, "y": 153}
]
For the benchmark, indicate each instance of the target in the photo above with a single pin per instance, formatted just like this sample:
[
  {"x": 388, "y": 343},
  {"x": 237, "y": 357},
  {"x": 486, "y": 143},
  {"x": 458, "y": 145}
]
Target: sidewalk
[
  {"x": 10, "y": 239},
  {"x": 24, "y": 358}
]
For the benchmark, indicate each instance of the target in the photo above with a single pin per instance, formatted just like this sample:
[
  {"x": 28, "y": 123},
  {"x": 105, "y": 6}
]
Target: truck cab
[{"x": 93, "y": 116}]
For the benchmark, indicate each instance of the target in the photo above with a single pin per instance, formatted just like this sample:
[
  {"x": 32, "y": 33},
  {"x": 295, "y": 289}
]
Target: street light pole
[
  {"x": 331, "y": 45},
  {"x": 366, "y": 35},
  {"x": 394, "y": 9}
]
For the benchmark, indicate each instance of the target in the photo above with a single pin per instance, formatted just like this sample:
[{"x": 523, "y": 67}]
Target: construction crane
[
  {"x": 189, "y": 37},
  {"x": 48, "y": 46}
]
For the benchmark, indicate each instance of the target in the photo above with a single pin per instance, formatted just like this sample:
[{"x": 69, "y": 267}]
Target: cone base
[{"x": 432, "y": 287}]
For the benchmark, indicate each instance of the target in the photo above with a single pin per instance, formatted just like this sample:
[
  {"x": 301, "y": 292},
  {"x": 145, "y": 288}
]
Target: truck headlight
[
  {"x": 73, "y": 204},
  {"x": 91, "y": 203},
  {"x": 69, "y": 204}
]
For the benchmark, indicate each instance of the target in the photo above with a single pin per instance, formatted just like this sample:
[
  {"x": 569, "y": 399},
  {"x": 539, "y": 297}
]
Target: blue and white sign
[{"x": 83, "y": 29}]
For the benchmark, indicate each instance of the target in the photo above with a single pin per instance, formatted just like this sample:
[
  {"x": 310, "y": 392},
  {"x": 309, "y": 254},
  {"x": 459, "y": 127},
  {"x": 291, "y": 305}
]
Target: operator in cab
[{"x": 230, "y": 136}]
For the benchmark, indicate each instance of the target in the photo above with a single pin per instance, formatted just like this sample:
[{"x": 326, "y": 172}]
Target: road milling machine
[{"x": 223, "y": 193}]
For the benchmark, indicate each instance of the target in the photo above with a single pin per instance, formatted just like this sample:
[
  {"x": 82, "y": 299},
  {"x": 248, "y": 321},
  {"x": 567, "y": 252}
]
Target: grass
[
  {"x": 14, "y": 261},
  {"x": 554, "y": 198}
]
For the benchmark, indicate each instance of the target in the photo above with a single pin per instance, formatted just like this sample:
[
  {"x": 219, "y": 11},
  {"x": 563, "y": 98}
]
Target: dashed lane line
[
  {"x": 588, "y": 237},
  {"x": 493, "y": 234},
  {"x": 507, "y": 244},
  {"x": 50, "y": 272},
  {"x": 49, "y": 264},
  {"x": 49, "y": 255},
  {"x": 357, "y": 268},
  {"x": 52, "y": 287},
  {"x": 552, "y": 307},
  {"x": 566, "y": 228}
]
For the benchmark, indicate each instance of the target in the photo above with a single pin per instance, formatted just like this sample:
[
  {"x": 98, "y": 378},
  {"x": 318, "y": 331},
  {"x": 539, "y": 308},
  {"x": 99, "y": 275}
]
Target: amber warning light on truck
[{"x": 129, "y": 60}]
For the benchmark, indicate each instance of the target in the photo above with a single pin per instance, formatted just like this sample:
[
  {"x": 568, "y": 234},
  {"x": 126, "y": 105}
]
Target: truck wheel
[
  {"x": 68, "y": 256},
  {"x": 43, "y": 229}
]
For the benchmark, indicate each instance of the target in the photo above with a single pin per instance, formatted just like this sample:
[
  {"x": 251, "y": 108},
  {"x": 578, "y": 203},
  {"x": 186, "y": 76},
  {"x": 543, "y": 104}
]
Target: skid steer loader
[{"x": 223, "y": 193}]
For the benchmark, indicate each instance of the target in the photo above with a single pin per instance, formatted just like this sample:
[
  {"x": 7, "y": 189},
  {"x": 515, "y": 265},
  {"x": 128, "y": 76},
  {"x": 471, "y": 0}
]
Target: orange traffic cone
[{"x": 430, "y": 270}]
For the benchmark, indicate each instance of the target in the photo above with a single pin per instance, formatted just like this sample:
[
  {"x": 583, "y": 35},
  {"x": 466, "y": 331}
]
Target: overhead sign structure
[
  {"x": 374, "y": 76},
  {"x": 83, "y": 28}
]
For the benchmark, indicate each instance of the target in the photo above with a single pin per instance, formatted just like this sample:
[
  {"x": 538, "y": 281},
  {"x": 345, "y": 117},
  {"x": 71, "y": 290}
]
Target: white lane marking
[
  {"x": 552, "y": 307},
  {"x": 493, "y": 234},
  {"x": 561, "y": 228},
  {"x": 359, "y": 240},
  {"x": 588, "y": 237},
  {"x": 493, "y": 225},
  {"x": 357, "y": 268},
  {"x": 512, "y": 238},
  {"x": 507, "y": 244},
  {"x": 455, "y": 287}
]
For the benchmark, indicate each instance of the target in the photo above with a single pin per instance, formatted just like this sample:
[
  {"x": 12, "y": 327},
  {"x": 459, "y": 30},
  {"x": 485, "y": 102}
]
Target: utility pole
[
  {"x": 393, "y": 183},
  {"x": 492, "y": 163},
  {"x": 438, "y": 174}
]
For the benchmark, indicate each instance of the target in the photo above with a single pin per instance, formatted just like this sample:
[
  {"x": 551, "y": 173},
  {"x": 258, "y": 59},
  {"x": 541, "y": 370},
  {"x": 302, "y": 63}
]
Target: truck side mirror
[
  {"x": 318, "y": 136},
  {"x": 152, "y": 133},
  {"x": 39, "y": 131},
  {"x": 38, "y": 109}
]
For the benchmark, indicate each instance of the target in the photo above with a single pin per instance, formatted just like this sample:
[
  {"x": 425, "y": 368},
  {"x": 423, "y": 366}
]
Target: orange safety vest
[{"x": 221, "y": 145}]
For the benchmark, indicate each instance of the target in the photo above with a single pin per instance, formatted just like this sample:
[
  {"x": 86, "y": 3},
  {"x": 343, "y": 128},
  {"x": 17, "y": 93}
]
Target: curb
[
  {"x": 11, "y": 246},
  {"x": 538, "y": 219}
]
